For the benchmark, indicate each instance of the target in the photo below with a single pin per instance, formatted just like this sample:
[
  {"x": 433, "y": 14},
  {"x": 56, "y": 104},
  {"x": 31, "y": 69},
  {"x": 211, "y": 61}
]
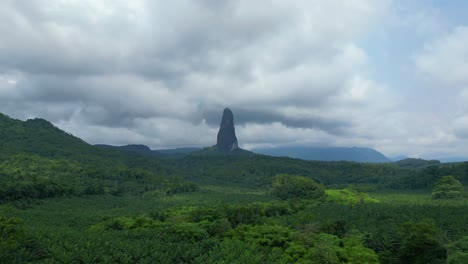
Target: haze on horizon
[{"x": 389, "y": 75}]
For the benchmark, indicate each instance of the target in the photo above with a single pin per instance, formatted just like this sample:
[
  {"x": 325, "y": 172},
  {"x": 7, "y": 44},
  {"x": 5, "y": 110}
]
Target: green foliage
[
  {"x": 263, "y": 235},
  {"x": 161, "y": 210},
  {"x": 289, "y": 187},
  {"x": 125, "y": 223},
  {"x": 349, "y": 196},
  {"x": 355, "y": 252},
  {"x": 194, "y": 227},
  {"x": 38, "y": 160},
  {"x": 233, "y": 251},
  {"x": 427, "y": 177},
  {"x": 420, "y": 243},
  {"x": 417, "y": 163},
  {"x": 181, "y": 187},
  {"x": 11, "y": 234},
  {"x": 258, "y": 170},
  {"x": 27, "y": 176},
  {"x": 458, "y": 251},
  {"x": 327, "y": 248},
  {"x": 447, "y": 188},
  {"x": 271, "y": 242},
  {"x": 15, "y": 246}
]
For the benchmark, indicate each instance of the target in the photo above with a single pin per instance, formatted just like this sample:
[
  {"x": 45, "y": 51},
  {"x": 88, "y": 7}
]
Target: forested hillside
[
  {"x": 35, "y": 150},
  {"x": 37, "y": 156}
]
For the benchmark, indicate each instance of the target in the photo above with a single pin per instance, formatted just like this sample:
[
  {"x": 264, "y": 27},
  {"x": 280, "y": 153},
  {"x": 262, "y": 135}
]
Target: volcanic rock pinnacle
[{"x": 227, "y": 140}]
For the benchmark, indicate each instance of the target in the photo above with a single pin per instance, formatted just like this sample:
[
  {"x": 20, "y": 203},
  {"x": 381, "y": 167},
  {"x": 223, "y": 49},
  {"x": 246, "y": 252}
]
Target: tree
[
  {"x": 419, "y": 243},
  {"x": 458, "y": 251},
  {"x": 15, "y": 245},
  {"x": 447, "y": 187},
  {"x": 287, "y": 186}
]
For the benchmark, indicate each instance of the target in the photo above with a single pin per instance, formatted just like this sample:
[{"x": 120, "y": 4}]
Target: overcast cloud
[{"x": 385, "y": 74}]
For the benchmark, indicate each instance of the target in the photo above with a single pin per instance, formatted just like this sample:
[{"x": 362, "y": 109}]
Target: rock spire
[{"x": 227, "y": 140}]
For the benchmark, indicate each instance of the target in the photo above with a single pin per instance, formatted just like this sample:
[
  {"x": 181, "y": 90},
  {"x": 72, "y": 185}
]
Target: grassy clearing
[{"x": 349, "y": 197}]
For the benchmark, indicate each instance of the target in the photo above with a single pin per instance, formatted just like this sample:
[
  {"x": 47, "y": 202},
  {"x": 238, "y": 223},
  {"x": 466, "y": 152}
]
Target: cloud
[
  {"x": 445, "y": 60},
  {"x": 443, "y": 64},
  {"x": 161, "y": 72},
  {"x": 288, "y": 117}
]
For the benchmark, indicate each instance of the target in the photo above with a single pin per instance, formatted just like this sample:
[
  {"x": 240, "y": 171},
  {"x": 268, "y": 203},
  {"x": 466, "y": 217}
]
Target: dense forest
[{"x": 65, "y": 201}]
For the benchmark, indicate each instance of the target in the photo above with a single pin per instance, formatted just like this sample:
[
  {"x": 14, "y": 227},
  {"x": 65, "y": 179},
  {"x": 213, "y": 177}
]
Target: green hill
[
  {"x": 38, "y": 136},
  {"x": 36, "y": 156}
]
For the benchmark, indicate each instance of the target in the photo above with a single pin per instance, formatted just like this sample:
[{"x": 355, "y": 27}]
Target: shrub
[
  {"x": 15, "y": 245},
  {"x": 447, "y": 187},
  {"x": 420, "y": 244},
  {"x": 458, "y": 251},
  {"x": 263, "y": 235},
  {"x": 349, "y": 196},
  {"x": 328, "y": 248}
]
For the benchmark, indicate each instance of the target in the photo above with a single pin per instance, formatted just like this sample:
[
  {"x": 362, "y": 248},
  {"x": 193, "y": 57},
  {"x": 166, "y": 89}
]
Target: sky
[{"x": 385, "y": 74}]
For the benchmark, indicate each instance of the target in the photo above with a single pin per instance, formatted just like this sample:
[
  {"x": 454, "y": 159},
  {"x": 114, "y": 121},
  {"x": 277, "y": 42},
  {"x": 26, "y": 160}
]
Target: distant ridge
[
  {"x": 416, "y": 163},
  {"x": 356, "y": 154},
  {"x": 146, "y": 150},
  {"x": 177, "y": 151}
]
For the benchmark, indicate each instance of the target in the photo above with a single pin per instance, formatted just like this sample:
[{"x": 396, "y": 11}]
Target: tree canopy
[
  {"x": 447, "y": 187},
  {"x": 287, "y": 186}
]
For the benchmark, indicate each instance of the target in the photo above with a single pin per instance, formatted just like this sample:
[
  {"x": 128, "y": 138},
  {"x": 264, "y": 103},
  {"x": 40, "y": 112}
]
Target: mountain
[
  {"x": 38, "y": 160},
  {"x": 226, "y": 139},
  {"x": 327, "y": 154}
]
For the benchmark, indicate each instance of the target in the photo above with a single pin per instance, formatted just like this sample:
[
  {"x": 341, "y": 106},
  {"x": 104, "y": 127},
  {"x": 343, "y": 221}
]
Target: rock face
[{"x": 227, "y": 140}]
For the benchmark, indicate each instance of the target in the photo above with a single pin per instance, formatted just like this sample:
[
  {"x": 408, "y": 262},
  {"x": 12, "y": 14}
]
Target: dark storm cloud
[
  {"x": 58, "y": 52},
  {"x": 245, "y": 116},
  {"x": 68, "y": 57},
  {"x": 98, "y": 102},
  {"x": 166, "y": 42}
]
